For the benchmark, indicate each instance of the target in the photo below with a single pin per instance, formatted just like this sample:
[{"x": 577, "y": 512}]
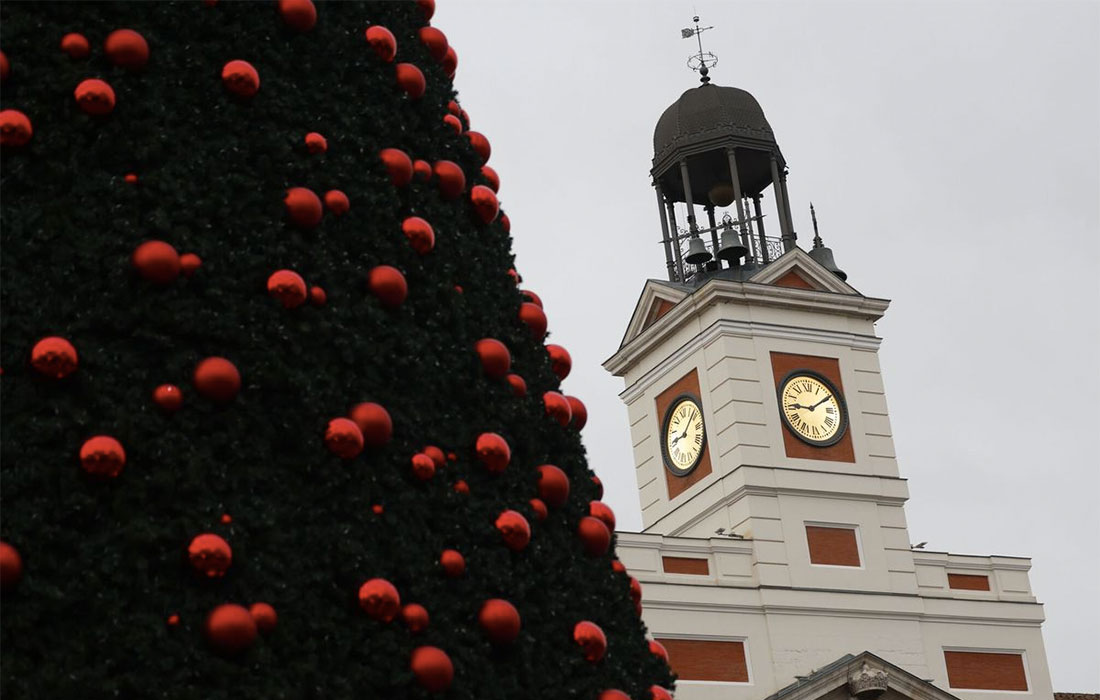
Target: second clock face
[
  {"x": 684, "y": 435},
  {"x": 812, "y": 408}
]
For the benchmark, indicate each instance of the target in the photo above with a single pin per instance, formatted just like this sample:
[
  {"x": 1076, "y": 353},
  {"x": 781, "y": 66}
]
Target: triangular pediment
[
  {"x": 797, "y": 270},
  {"x": 861, "y": 675},
  {"x": 657, "y": 299}
]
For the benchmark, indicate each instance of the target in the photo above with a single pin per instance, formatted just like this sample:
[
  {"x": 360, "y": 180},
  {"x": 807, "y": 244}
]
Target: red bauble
[
  {"x": 383, "y": 42},
  {"x": 173, "y": 620},
  {"x": 398, "y": 165},
  {"x": 379, "y": 599},
  {"x": 500, "y": 620},
  {"x": 594, "y": 535},
  {"x": 480, "y": 144},
  {"x": 374, "y": 422},
  {"x": 462, "y": 487},
  {"x": 303, "y": 207},
  {"x": 388, "y": 284},
  {"x": 514, "y": 530},
  {"x": 287, "y": 287},
  {"x": 415, "y": 617},
  {"x": 505, "y": 223},
  {"x": 422, "y": 170},
  {"x": 656, "y": 692},
  {"x": 210, "y": 555},
  {"x": 217, "y": 379},
  {"x": 411, "y": 80},
  {"x": 423, "y": 467},
  {"x": 5, "y": 66},
  {"x": 95, "y": 97},
  {"x": 635, "y": 591},
  {"x": 493, "y": 452},
  {"x": 580, "y": 413},
  {"x": 618, "y": 567},
  {"x": 343, "y": 438},
  {"x": 612, "y": 694},
  {"x": 299, "y": 15},
  {"x": 316, "y": 143},
  {"x": 157, "y": 262},
  {"x": 495, "y": 358},
  {"x": 420, "y": 234},
  {"x": 531, "y": 297},
  {"x": 435, "y": 41},
  {"x": 450, "y": 63},
  {"x": 591, "y": 639},
  {"x": 533, "y": 316},
  {"x": 519, "y": 387},
  {"x": 317, "y": 296},
  {"x": 454, "y": 108},
  {"x": 130, "y": 178},
  {"x": 427, "y": 7},
  {"x": 453, "y": 122},
  {"x": 450, "y": 178},
  {"x": 102, "y": 456},
  {"x": 54, "y": 357},
  {"x": 553, "y": 485},
  {"x": 491, "y": 176},
  {"x": 15, "y": 128},
  {"x": 560, "y": 361},
  {"x": 436, "y": 455},
  {"x": 539, "y": 508},
  {"x": 599, "y": 486},
  {"x": 264, "y": 616},
  {"x": 658, "y": 649},
  {"x": 168, "y": 398},
  {"x": 241, "y": 78},
  {"x": 11, "y": 566},
  {"x": 557, "y": 407},
  {"x": 337, "y": 202},
  {"x": 433, "y": 668},
  {"x": 453, "y": 563},
  {"x": 226, "y": 519},
  {"x": 189, "y": 264},
  {"x": 599, "y": 509},
  {"x": 230, "y": 629},
  {"x": 76, "y": 46},
  {"x": 485, "y": 203},
  {"x": 126, "y": 48}
]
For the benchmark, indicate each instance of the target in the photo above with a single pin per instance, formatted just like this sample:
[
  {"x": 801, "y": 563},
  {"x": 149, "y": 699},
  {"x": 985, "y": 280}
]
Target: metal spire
[
  {"x": 817, "y": 237},
  {"x": 703, "y": 61}
]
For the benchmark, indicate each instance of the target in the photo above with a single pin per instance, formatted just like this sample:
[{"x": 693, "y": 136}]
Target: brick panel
[
  {"x": 979, "y": 670},
  {"x": 835, "y": 546},
  {"x": 968, "y": 582},
  {"x": 829, "y": 367},
  {"x": 793, "y": 279},
  {"x": 685, "y": 565},
  {"x": 706, "y": 660},
  {"x": 688, "y": 384}
]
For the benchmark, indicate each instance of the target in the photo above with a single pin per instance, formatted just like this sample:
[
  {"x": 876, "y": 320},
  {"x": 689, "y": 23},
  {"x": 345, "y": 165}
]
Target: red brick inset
[
  {"x": 833, "y": 546},
  {"x": 983, "y": 670},
  {"x": 688, "y": 384},
  {"x": 707, "y": 660},
  {"x": 685, "y": 565},
  {"x": 656, "y": 311},
  {"x": 793, "y": 279},
  {"x": 968, "y": 582}
]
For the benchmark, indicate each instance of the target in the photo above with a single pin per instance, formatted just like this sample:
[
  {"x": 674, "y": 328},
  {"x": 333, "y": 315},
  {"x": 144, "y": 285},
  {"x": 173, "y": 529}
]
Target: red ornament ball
[
  {"x": 618, "y": 567},
  {"x": 54, "y": 357},
  {"x": 299, "y": 15},
  {"x": 226, "y": 519},
  {"x": 411, "y": 80},
  {"x": 317, "y": 296},
  {"x": 168, "y": 398},
  {"x": 591, "y": 639},
  {"x": 420, "y": 234},
  {"x": 76, "y": 46},
  {"x": 15, "y": 128},
  {"x": 491, "y": 176},
  {"x": 415, "y": 617},
  {"x": 599, "y": 486},
  {"x": 127, "y": 48},
  {"x": 594, "y": 535},
  {"x": 553, "y": 485},
  {"x": 505, "y": 223},
  {"x": 230, "y": 629},
  {"x": 500, "y": 620},
  {"x": 303, "y": 206},
  {"x": 635, "y": 591},
  {"x": 485, "y": 203},
  {"x": 599, "y": 509},
  {"x": 557, "y": 407},
  {"x": 343, "y": 438},
  {"x": 379, "y": 599},
  {"x": 95, "y": 97},
  {"x": 241, "y": 78},
  {"x": 433, "y": 668},
  {"x": 374, "y": 423},
  {"x": 189, "y": 264},
  {"x": 531, "y": 297},
  {"x": 519, "y": 387},
  {"x": 450, "y": 178},
  {"x": 378, "y": 509},
  {"x": 480, "y": 144},
  {"x": 454, "y": 108},
  {"x": 388, "y": 284},
  {"x": 514, "y": 530},
  {"x": 612, "y": 694},
  {"x": 453, "y": 563},
  {"x": 102, "y": 456},
  {"x": 422, "y": 170},
  {"x": 427, "y": 7},
  {"x": 423, "y": 467},
  {"x": 656, "y": 692},
  {"x": 316, "y": 143},
  {"x": 173, "y": 620},
  {"x": 157, "y": 262},
  {"x": 11, "y": 566},
  {"x": 580, "y": 413},
  {"x": 560, "y": 361},
  {"x": 462, "y": 487},
  {"x": 495, "y": 358},
  {"x": 453, "y": 122},
  {"x": 398, "y": 165},
  {"x": 217, "y": 379},
  {"x": 130, "y": 178},
  {"x": 287, "y": 287},
  {"x": 450, "y": 63},
  {"x": 264, "y": 616},
  {"x": 493, "y": 451},
  {"x": 436, "y": 455},
  {"x": 658, "y": 649},
  {"x": 534, "y": 318},
  {"x": 5, "y": 66},
  {"x": 539, "y": 509},
  {"x": 337, "y": 202},
  {"x": 435, "y": 41},
  {"x": 210, "y": 555},
  {"x": 382, "y": 41}
]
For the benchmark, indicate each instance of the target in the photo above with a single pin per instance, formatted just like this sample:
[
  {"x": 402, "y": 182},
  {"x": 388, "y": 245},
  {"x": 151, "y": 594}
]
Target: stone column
[
  {"x": 676, "y": 242},
  {"x": 760, "y": 229},
  {"x": 687, "y": 195},
  {"x": 780, "y": 206},
  {"x": 664, "y": 234}
]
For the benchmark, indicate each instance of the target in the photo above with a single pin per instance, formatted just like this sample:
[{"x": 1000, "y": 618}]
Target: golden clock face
[
  {"x": 684, "y": 435},
  {"x": 812, "y": 408}
]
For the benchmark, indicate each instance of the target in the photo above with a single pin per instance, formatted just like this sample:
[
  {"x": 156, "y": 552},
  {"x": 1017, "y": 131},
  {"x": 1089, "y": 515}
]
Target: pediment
[
  {"x": 657, "y": 299},
  {"x": 797, "y": 270},
  {"x": 862, "y": 675}
]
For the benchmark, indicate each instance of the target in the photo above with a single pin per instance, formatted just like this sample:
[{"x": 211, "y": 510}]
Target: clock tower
[{"x": 775, "y": 541}]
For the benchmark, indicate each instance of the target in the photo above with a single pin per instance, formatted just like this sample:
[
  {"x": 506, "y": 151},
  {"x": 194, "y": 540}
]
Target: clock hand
[
  {"x": 798, "y": 405},
  {"x": 820, "y": 402}
]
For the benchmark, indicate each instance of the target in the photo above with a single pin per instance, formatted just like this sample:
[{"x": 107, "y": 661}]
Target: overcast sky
[{"x": 952, "y": 151}]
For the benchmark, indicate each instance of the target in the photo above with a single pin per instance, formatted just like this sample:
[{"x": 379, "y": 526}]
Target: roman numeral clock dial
[
  {"x": 684, "y": 435},
  {"x": 812, "y": 408}
]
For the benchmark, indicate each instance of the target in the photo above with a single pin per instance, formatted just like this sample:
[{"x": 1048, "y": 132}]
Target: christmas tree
[{"x": 277, "y": 420}]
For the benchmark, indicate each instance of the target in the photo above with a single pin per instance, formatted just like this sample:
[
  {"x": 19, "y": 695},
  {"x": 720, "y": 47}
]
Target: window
[
  {"x": 707, "y": 660},
  {"x": 985, "y": 670},
  {"x": 833, "y": 545}
]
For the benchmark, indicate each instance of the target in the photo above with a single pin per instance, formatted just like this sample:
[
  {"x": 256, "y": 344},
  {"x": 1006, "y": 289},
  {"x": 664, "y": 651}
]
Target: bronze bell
[
  {"x": 697, "y": 251},
  {"x": 732, "y": 248},
  {"x": 824, "y": 257}
]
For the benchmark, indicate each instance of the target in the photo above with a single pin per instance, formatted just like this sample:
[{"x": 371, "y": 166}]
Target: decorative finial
[
  {"x": 817, "y": 236},
  {"x": 703, "y": 61}
]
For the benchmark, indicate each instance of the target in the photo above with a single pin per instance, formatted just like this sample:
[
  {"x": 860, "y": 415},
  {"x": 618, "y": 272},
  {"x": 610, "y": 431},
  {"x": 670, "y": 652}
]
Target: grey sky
[{"x": 952, "y": 151}]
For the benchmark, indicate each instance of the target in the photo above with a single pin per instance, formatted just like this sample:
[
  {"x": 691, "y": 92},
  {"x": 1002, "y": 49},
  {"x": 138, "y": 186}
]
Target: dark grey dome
[{"x": 705, "y": 111}]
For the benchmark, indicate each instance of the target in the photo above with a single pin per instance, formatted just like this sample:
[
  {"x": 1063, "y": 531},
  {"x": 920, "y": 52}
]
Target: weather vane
[{"x": 703, "y": 61}]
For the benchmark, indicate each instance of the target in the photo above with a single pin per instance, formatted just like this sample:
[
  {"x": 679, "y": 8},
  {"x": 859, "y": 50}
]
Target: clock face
[
  {"x": 812, "y": 408},
  {"x": 684, "y": 435}
]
